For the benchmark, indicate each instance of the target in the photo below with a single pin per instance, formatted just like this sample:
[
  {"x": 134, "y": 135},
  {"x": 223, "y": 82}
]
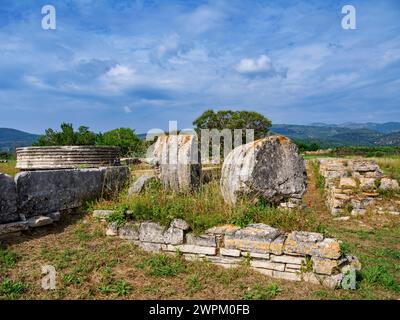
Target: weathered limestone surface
[
  {"x": 66, "y": 157},
  {"x": 303, "y": 256},
  {"x": 13, "y": 227},
  {"x": 8, "y": 199},
  {"x": 269, "y": 168},
  {"x": 353, "y": 185},
  {"x": 178, "y": 159},
  {"x": 41, "y": 192},
  {"x": 139, "y": 184},
  {"x": 102, "y": 214}
]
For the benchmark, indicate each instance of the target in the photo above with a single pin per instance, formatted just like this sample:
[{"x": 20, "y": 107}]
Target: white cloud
[
  {"x": 262, "y": 66},
  {"x": 127, "y": 109},
  {"x": 118, "y": 77}
]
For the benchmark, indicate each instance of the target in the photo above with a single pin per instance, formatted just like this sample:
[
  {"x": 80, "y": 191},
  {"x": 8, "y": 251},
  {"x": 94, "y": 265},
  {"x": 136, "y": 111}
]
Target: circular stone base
[{"x": 66, "y": 157}]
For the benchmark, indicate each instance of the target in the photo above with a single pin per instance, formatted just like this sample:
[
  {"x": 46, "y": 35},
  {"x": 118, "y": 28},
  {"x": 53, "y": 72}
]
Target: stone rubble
[
  {"x": 294, "y": 256},
  {"x": 353, "y": 186}
]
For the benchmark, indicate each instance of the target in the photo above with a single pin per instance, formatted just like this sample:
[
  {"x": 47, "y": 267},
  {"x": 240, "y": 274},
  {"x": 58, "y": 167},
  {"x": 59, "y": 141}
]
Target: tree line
[{"x": 132, "y": 145}]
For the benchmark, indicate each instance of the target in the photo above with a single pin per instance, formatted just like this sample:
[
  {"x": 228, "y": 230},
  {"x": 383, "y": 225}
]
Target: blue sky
[{"x": 142, "y": 63}]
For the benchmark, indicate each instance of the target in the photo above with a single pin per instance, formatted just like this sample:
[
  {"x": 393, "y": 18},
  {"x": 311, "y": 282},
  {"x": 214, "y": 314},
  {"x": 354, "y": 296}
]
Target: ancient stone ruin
[
  {"x": 66, "y": 157},
  {"x": 269, "y": 168},
  {"x": 178, "y": 160},
  {"x": 296, "y": 256},
  {"x": 38, "y": 197},
  {"x": 354, "y": 186}
]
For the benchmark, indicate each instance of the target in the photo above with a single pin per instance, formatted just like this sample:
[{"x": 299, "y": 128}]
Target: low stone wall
[
  {"x": 296, "y": 256},
  {"x": 354, "y": 186},
  {"x": 33, "y": 194}
]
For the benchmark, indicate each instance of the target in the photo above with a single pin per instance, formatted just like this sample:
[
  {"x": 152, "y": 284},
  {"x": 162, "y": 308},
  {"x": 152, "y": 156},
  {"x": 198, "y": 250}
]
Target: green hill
[{"x": 12, "y": 138}]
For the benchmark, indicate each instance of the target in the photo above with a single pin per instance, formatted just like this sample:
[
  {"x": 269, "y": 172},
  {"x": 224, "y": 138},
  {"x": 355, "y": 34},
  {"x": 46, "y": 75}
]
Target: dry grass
[
  {"x": 92, "y": 266},
  {"x": 9, "y": 168}
]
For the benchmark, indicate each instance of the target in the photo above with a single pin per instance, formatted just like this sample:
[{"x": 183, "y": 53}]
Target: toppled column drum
[{"x": 270, "y": 168}]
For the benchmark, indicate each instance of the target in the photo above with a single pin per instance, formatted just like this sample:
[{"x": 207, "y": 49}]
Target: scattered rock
[
  {"x": 13, "y": 227},
  {"x": 39, "y": 221},
  {"x": 112, "y": 229},
  {"x": 55, "y": 216},
  {"x": 180, "y": 224},
  {"x": 140, "y": 184},
  {"x": 389, "y": 184},
  {"x": 102, "y": 214}
]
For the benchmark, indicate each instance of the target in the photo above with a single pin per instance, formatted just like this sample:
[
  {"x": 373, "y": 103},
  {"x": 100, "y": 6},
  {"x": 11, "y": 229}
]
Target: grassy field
[
  {"x": 92, "y": 266},
  {"x": 9, "y": 168}
]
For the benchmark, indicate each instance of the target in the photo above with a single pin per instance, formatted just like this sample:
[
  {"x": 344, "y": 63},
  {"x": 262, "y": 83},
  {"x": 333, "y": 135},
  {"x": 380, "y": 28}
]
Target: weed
[
  {"x": 379, "y": 275},
  {"x": 161, "y": 265},
  {"x": 194, "y": 284},
  {"x": 259, "y": 292},
  {"x": 11, "y": 289},
  {"x": 7, "y": 258}
]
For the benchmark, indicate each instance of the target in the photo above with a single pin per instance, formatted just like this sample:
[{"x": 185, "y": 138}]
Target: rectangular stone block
[
  {"x": 151, "y": 232},
  {"x": 45, "y": 191},
  {"x": 255, "y": 255},
  {"x": 224, "y": 260},
  {"x": 286, "y": 275},
  {"x": 8, "y": 199},
  {"x": 267, "y": 265},
  {"x": 253, "y": 238},
  {"x": 324, "y": 266},
  {"x": 206, "y": 240},
  {"x": 328, "y": 248},
  {"x": 287, "y": 259},
  {"x": 266, "y": 272},
  {"x": 229, "y": 252},
  {"x": 129, "y": 231},
  {"x": 187, "y": 248}
]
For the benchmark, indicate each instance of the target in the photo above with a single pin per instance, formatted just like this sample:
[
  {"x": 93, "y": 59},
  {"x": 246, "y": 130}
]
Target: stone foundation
[
  {"x": 355, "y": 185},
  {"x": 295, "y": 256}
]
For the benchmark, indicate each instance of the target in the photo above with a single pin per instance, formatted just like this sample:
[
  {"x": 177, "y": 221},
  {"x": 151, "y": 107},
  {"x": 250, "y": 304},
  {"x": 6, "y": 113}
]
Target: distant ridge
[
  {"x": 326, "y": 135},
  {"x": 346, "y": 134},
  {"x": 12, "y": 138}
]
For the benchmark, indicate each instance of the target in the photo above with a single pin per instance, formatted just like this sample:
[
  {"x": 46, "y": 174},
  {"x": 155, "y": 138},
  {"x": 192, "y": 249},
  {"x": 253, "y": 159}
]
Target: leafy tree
[
  {"x": 228, "y": 119},
  {"x": 125, "y": 138},
  {"x": 67, "y": 136}
]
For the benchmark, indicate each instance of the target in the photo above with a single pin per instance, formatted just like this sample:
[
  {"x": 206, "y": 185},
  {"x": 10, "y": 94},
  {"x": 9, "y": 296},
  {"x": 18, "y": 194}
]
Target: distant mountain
[
  {"x": 388, "y": 127},
  {"x": 343, "y": 135},
  {"x": 12, "y": 138}
]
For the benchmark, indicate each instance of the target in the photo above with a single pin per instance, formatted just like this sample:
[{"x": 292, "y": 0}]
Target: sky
[{"x": 141, "y": 63}]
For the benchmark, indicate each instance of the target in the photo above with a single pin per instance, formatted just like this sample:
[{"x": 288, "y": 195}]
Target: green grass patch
[
  {"x": 161, "y": 265},
  {"x": 260, "y": 292},
  {"x": 11, "y": 289}
]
